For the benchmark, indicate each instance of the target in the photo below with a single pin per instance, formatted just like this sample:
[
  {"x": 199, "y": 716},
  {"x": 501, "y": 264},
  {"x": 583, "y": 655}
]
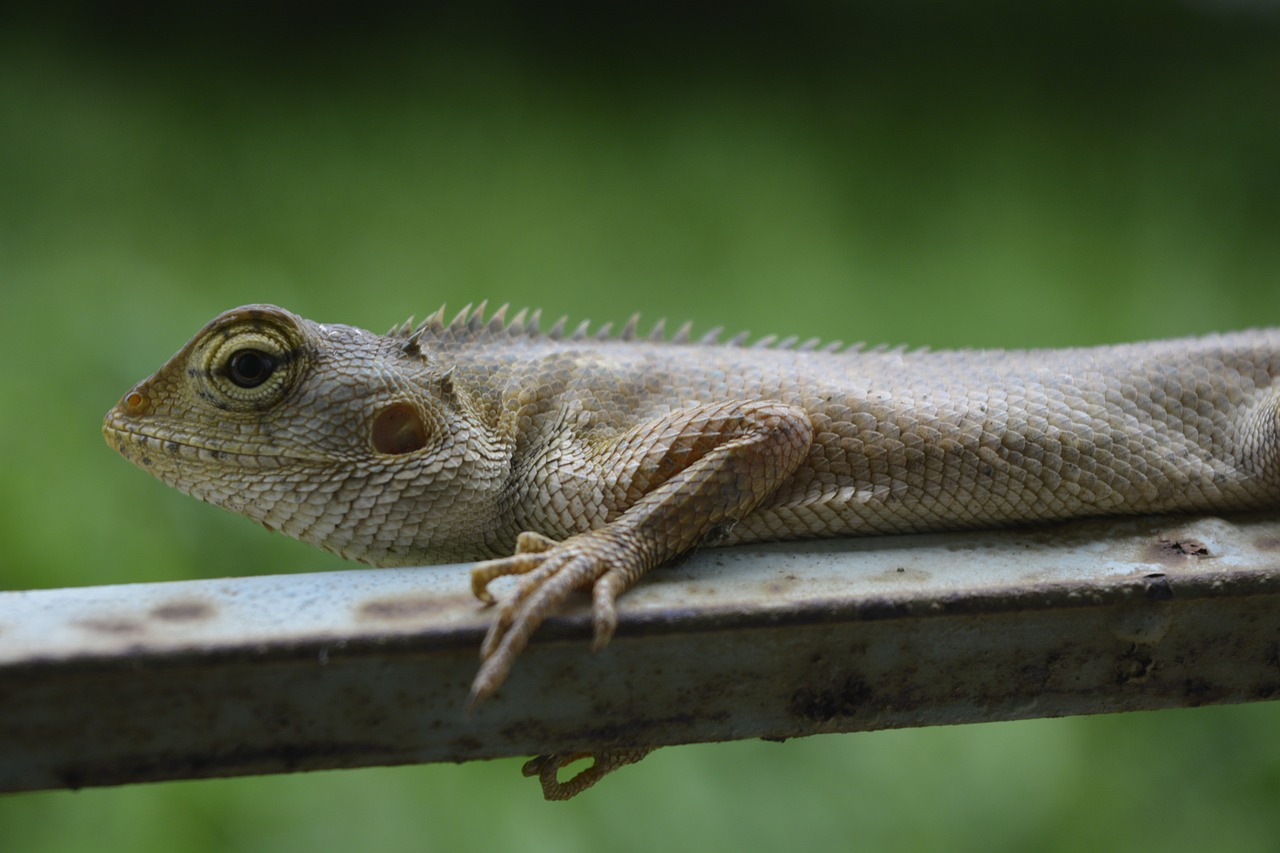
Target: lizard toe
[
  {"x": 487, "y": 571},
  {"x": 567, "y": 567},
  {"x": 603, "y": 762},
  {"x": 532, "y": 542},
  {"x": 604, "y": 614}
]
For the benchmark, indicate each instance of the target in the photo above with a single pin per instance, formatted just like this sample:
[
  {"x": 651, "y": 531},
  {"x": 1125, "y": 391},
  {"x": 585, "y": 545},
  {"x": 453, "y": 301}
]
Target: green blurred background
[{"x": 988, "y": 175}]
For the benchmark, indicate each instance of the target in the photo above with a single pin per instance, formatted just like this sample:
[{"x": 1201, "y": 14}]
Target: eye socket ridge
[{"x": 249, "y": 367}]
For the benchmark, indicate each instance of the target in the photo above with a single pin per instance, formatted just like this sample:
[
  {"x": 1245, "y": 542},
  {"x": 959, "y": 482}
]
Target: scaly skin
[{"x": 596, "y": 458}]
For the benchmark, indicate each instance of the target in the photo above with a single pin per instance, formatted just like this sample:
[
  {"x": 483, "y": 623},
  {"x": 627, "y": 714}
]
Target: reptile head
[{"x": 327, "y": 433}]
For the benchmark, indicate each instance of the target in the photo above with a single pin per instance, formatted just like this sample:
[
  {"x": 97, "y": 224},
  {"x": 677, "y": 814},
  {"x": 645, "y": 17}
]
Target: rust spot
[
  {"x": 1032, "y": 677},
  {"x": 780, "y": 585},
  {"x": 902, "y": 573},
  {"x": 1135, "y": 666},
  {"x": 1158, "y": 587},
  {"x": 840, "y": 700},
  {"x": 467, "y": 745},
  {"x": 1191, "y": 547},
  {"x": 1175, "y": 551},
  {"x": 110, "y": 626},
  {"x": 182, "y": 611},
  {"x": 1267, "y": 543},
  {"x": 399, "y": 608},
  {"x": 1198, "y": 691}
]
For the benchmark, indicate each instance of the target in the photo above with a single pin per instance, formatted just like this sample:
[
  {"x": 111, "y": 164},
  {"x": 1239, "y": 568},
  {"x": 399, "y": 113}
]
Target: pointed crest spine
[
  {"x": 471, "y": 321},
  {"x": 518, "y": 323},
  {"x": 435, "y": 322},
  {"x": 628, "y": 332},
  {"x": 498, "y": 322},
  {"x": 460, "y": 319}
]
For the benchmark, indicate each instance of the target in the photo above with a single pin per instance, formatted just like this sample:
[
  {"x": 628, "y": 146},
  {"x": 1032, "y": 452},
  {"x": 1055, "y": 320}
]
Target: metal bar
[{"x": 107, "y": 685}]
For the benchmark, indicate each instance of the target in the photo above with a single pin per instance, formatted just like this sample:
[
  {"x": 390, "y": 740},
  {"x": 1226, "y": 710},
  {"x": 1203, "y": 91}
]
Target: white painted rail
[{"x": 108, "y": 685}]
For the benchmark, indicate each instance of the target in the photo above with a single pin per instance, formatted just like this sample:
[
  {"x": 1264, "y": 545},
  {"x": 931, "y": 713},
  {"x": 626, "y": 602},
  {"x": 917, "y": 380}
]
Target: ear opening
[{"x": 398, "y": 429}]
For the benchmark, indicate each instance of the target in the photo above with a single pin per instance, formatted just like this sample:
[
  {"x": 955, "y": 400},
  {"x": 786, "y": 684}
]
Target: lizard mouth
[{"x": 142, "y": 446}]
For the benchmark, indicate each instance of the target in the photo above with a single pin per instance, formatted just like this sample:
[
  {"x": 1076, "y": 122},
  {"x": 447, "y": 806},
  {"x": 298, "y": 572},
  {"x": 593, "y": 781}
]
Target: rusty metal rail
[{"x": 107, "y": 685}]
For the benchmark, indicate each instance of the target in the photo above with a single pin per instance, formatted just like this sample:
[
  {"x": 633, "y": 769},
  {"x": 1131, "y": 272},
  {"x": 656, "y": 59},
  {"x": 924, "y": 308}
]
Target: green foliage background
[{"x": 985, "y": 175}]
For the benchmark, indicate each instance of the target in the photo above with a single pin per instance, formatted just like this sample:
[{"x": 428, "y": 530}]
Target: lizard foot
[
  {"x": 604, "y": 762},
  {"x": 601, "y": 560},
  {"x": 527, "y": 543}
]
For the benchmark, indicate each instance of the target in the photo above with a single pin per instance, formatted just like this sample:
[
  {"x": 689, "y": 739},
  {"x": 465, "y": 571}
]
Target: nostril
[
  {"x": 398, "y": 429},
  {"x": 135, "y": 403}
]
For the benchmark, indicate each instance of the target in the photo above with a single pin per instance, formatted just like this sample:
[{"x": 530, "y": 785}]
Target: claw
[
  {"x": 551, "y": 570},
  {"x": 530, "y": 552},
  {"x": 536, "y": 586},
  {"x": 604, "y": 615},
  {"x": 480, "y": 692},
  {"x": 539, "y": 594},
  {"x": 550, "y": 577},
  {"x": 484, "y": 573}
]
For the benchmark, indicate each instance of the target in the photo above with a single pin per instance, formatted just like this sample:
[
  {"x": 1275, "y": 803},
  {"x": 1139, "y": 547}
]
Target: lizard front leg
[{"x": 685, "y": 473}]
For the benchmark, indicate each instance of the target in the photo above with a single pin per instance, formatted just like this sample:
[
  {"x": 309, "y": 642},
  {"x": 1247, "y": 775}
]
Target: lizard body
[{"x": 584, "y": 460}]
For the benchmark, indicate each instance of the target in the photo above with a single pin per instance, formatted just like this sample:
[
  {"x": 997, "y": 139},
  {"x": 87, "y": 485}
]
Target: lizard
[{"x": 580, "y": 460}]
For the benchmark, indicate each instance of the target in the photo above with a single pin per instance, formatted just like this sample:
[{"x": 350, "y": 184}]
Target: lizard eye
[
  {"x": 249, "y": 368},
  {"x": 248, "y": 361}
]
